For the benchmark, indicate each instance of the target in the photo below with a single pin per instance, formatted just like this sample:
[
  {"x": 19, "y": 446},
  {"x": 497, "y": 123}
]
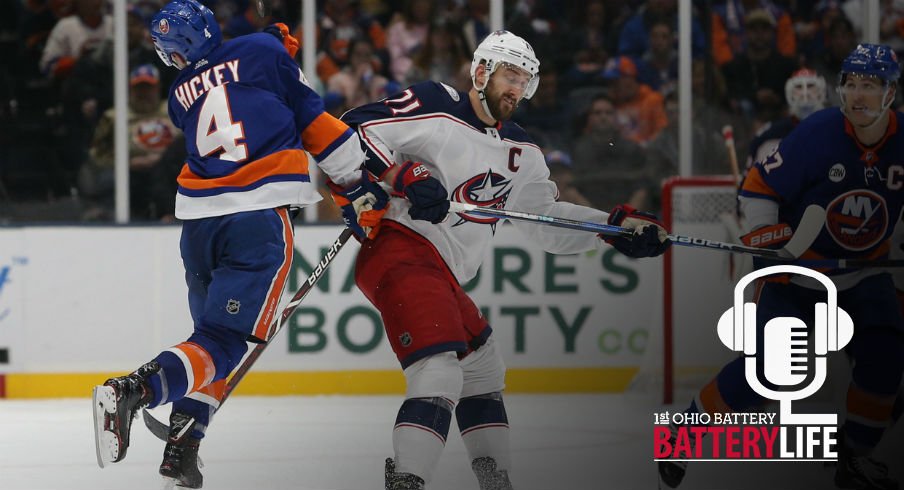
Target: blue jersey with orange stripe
[
  {"x": 248, "y": 115},
  {"x": 822, "y": 162}
]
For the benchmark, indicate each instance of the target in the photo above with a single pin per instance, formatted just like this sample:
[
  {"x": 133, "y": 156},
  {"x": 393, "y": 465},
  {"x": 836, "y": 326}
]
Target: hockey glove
[
  {"x": 281, "y": 31},
  {"x": 650, "y": 237},
  {"x": 427, "y": 195},
  {"x": 363, "y": 206}
]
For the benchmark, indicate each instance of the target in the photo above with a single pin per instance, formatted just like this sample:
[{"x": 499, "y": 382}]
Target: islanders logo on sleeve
[
  {"x": 490, "y": 190},
  {"x": 857, "y": 220}
]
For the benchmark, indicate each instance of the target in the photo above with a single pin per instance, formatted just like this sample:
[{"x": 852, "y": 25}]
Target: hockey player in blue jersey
[
  {"x": 432, "y": 143},
  {"x": 248, "y": 115},
  {"x": 805, "y": 92},
  {"x": 848, "y": 161}
]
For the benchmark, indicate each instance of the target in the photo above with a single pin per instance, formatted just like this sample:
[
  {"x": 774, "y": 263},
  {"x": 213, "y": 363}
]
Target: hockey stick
[
  {"x": 262, "y": 7},
  {"x": 728, "y": 135},
  {"x": 161, "y": 430},
  {"x": 851, "y": 263},
  {"x": 808, "y": 229}
]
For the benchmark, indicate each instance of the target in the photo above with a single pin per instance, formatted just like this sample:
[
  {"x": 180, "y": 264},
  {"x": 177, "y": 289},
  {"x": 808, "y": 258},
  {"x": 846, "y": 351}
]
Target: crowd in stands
[{"x": 605, "y": 111}]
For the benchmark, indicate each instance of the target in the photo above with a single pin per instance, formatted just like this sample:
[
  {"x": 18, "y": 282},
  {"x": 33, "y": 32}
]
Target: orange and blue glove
[
  {"x": 281, "y": 31},
  {"x": 363, "y": 205}
]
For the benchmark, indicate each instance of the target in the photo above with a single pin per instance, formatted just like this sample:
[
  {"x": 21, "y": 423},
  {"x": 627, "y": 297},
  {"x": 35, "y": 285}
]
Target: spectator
[
  {"x": 74, "y": 36},
  {"x": 38, "y": 20},
  {"x": 608, "y": 168},
  {"x": 812, "y": 30},
  {"x": 359, "y": 83},
  {"x": 634, "y": 38},
  {"x": 476, "y": 22},
  {"x": 407, "y": 35},
  {"x": 536, "y": 21},
  {"x": 141, "y": 50},
  {"x": 659, "y": 66},
  {"x": 339, "y": 25},
  {"x": 587, "y": 39},
  {"x": 710, "y": 116},
  {"x": 662, "y": 153},
  {"x": 441, "y": 58},
  {"x": 891, "y": 21},
  {"x": 729, "y": 36},
  {"x": 462, "y": 81},
  {"x": 150, "y": 134},
  {"x": 163, "y": 179},
  {"x": 756, "y": 78},
  {"x": 546, "y": 115},
  {"x": 562, "y": 173},
  {"x": 639, "y": 109},
  {"x": 841, "y": 40},
  {"x": 246, "y": 22}
]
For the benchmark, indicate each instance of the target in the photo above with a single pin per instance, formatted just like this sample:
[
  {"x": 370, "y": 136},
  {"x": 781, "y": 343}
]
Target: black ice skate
[
  {"x": 180, "y": 457},
  {"x": 116, "y": 403},
  {"x": 861, "y": 472},
  {"x": 672, "y": 472},
  {"x": 401, "y": 481},
  {"x": 488, "y": 476}
]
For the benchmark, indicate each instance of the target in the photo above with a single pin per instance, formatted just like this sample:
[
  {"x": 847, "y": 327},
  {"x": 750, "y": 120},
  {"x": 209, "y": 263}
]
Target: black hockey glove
[
  {"x": 650, "y": 237},
  {"x": 427, "y": 195}
]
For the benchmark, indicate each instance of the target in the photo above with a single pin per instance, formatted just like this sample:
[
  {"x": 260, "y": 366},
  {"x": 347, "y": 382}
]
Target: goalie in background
[
  {"x": 422, "y": 142},
  {"x": 805, "y": 92},
  {"x": 248, "y": 115},
  {"x": 847, "y": 161}
]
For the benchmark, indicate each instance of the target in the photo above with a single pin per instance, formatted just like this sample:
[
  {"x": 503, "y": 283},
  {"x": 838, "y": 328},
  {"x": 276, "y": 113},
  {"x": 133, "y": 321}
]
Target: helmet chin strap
[
  {"x": 178, "y": 61},
  {"x": 481, "y": 94},
  {"x": 876, "y": 115}
]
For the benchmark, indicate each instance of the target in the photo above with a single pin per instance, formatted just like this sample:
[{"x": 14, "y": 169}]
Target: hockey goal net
[{"x": 697, "y": 287}]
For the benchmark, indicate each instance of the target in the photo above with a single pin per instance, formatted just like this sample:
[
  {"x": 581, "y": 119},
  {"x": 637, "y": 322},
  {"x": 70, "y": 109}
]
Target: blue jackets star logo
[{"x": 486, "y": 190}]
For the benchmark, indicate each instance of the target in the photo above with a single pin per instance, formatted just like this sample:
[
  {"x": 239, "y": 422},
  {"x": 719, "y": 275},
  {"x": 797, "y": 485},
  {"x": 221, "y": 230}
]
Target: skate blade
[
  {"x": 169, "y": 483},
  {"x": 106, "y": 444}
]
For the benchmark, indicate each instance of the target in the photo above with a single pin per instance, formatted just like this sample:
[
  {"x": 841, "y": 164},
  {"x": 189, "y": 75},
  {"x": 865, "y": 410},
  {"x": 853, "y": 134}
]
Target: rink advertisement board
[{"x": 81, "y": 303}]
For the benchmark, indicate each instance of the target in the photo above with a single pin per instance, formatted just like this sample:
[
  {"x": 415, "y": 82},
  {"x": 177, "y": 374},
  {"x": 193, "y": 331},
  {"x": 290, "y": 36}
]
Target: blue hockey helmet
[
  {"x": 872, "y": 60},
  {"x": 186, "y": 28}
]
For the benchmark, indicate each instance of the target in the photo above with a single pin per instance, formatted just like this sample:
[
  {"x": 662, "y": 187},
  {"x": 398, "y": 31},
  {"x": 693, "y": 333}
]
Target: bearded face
[{"x": 505, "y": 90}]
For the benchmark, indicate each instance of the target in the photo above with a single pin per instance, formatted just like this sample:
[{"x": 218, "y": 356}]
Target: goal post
[{"x": 697, "y": 287}]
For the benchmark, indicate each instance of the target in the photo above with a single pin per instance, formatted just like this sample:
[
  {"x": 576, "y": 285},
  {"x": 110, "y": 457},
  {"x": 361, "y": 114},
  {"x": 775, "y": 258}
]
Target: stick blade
[
  {"x": 811, "y": 223},
  {"x": 158, "y": 428}
]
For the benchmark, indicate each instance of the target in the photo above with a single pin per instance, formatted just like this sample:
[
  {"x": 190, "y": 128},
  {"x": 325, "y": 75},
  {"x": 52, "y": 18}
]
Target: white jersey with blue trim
[{"x": 494, "y": 166}]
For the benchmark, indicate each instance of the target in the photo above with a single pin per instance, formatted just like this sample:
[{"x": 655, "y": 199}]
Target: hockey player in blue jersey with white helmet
[
  {"x": 847, "y": 161},
  {"x": 249, "y": 116}
]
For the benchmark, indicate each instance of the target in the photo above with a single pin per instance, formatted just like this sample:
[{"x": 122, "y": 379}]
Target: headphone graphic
[
  {"x": 782, "y": 344},
  {"x": 737, "y": 326}
]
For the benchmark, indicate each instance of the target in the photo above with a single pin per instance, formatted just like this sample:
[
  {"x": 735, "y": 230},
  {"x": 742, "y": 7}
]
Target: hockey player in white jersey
[{"x": 431, "y": 144}]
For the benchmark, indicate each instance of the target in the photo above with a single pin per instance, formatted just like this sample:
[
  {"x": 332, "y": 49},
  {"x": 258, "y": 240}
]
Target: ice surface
[{"x": 560, "y": 442}]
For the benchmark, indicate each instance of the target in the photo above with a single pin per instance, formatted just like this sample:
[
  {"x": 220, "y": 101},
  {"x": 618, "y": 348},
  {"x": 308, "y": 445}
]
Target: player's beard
[{"x": 501, "y": 106}]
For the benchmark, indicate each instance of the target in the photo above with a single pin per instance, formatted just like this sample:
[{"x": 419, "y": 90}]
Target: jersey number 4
[{"x": 217, "y": 133}]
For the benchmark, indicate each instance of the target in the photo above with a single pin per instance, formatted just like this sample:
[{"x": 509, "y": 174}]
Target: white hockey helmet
[
  {"x": 805, "y": 92},
  {"x": 504, "y": 47}
]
